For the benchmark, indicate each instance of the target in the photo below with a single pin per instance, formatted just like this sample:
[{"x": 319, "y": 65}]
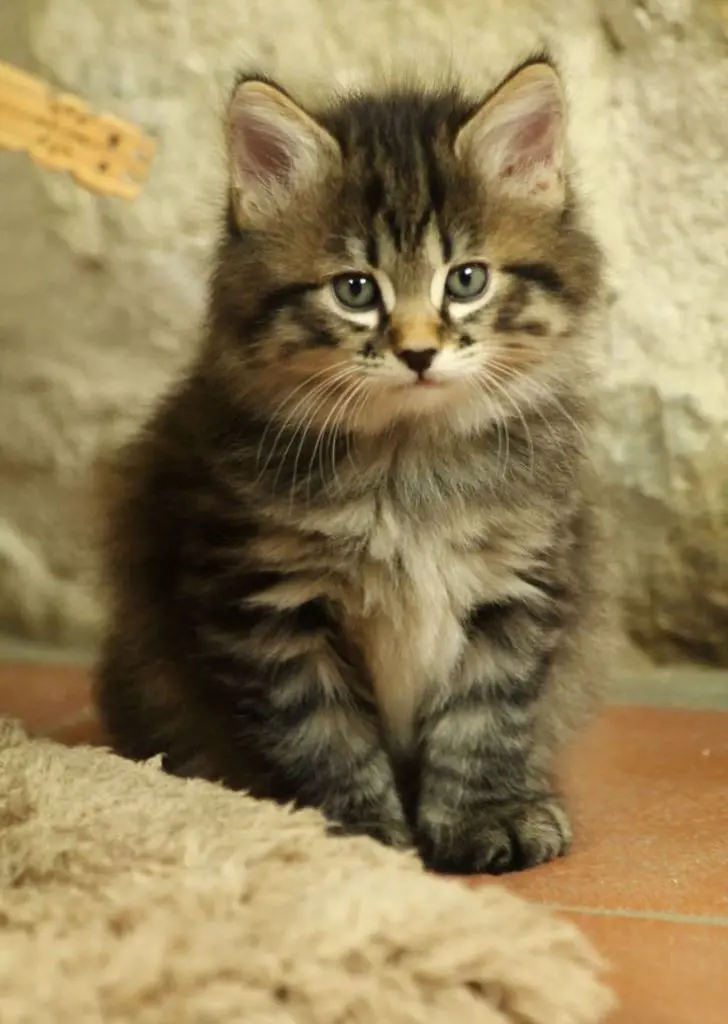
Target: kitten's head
[{"x": 403, "y": 255}]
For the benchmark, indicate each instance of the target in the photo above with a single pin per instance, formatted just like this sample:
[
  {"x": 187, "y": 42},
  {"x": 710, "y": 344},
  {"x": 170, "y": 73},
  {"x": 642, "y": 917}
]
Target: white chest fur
[
  {"x": 413, "y": 590},
  {"x": 416, "y": 578}
]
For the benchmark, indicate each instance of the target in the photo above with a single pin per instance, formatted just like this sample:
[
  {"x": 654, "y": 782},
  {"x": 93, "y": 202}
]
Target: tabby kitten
[{"x": 352, "y": 556}]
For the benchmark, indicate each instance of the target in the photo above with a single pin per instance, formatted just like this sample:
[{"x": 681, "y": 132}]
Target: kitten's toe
[
  {"x": 499, "y": 839},
  {"x": 388, "y": 828},
  {"x": 394, "y": 834}
]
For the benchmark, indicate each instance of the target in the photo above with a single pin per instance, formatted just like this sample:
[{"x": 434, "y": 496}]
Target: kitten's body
[{"x": 385, "y": 606}]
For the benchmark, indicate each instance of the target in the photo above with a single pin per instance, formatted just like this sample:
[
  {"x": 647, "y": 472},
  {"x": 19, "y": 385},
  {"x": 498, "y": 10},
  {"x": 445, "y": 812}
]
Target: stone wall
[
  {"x": 665, "y": 439},
  {"x": 99, "y": 299}
]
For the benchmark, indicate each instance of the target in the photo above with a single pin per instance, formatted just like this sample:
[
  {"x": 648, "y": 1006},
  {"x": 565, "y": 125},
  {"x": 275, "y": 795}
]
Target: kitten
[{"x": 353, "y": 558}]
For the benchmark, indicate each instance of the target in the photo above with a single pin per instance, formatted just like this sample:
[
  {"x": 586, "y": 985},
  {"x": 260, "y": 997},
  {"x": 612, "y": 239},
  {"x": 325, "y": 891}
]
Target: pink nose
[{"x": 418, "y": 360}]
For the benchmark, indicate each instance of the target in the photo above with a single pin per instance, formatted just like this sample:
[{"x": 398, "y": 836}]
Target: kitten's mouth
[
  {"x": 423, "y": 384},
  {"x": 424, "y": 380}
]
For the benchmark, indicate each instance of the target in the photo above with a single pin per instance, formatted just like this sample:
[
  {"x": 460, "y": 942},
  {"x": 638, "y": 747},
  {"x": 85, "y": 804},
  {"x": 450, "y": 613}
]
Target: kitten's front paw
[{"x": 496, "y": 839}]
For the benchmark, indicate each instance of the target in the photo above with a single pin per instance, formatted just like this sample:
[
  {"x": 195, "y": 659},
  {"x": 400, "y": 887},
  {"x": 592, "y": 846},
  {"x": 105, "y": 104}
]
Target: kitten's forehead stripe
[
  {"x": 374, "y": 195},
  {"x": 373, "y": 201},
  {"x": 394, "y": 227},
  {"x": 422, "y": 225},
  {"x": 395, "y": 146},
  {"x": 372, "y": 250},
  {"x": 435, "y": 182}
]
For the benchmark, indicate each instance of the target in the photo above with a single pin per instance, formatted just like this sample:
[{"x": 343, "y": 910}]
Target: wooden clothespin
[{"x": 58, "y": 131}]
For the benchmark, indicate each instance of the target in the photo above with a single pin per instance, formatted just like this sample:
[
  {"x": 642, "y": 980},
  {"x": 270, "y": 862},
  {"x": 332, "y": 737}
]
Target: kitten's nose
[{"x": 418, "y": 359}]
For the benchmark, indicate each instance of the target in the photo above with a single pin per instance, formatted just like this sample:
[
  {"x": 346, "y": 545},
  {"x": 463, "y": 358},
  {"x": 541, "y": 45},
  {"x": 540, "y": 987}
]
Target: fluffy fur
[{"x": 353, "y": 557}]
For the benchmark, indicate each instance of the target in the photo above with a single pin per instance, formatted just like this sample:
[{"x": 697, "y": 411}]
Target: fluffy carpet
[{"x": 129, "y": 896}]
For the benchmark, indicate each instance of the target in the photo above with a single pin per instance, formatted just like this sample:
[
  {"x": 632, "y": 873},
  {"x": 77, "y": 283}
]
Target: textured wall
[
  {"x": 99, "y": 298},
  {"x": 666, "y": 434}
]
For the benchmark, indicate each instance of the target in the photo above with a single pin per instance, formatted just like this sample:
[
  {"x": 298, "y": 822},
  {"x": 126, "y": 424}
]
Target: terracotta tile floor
[
  {"x": 52, "y": 699},
  {"x": 648, "y": 877}
]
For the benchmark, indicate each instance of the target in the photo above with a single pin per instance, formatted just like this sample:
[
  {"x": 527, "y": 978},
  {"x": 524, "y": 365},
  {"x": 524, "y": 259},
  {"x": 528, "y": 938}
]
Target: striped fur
[{"x": 332, "y": 586}]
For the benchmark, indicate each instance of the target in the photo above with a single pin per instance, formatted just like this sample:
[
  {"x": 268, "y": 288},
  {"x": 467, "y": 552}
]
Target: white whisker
[
  {"x": 550, "y": 397},
  {"x": 481, "y": 383},
  {"x": 359, "y": 386},
  {"x": 273, "y": 416},
  {"x": 514, "y": 405},
  {"x": 319, "y": 446},
  {"x": 319, "y": 395},
  {"x": 366, "y": 394}
]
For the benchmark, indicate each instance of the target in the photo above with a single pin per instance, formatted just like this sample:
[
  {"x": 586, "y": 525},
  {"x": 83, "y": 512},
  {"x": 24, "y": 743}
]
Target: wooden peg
[{"x": 59, "y": 132}]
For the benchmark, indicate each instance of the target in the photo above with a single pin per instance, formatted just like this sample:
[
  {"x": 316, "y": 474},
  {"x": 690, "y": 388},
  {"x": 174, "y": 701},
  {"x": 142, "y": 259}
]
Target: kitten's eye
[
  {"x": 359, "y": 292},
  {"x": 466, "y": 282}
]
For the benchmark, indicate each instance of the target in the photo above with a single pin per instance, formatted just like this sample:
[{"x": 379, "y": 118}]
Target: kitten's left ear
[
  {"x": 516, "y": 139},
  {"x": 275, "y": 149}
]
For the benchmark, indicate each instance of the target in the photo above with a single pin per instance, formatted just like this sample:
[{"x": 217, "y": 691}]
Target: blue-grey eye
[
  {"x": 466, "y": 282},
  {"x": 359, "y": 292}
]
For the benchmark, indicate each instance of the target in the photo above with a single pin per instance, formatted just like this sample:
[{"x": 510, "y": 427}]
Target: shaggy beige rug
[{"x": 129, "y": 897}]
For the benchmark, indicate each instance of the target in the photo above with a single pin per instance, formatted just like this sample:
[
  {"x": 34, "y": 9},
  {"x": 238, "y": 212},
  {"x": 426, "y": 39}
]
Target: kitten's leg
[
  {"x": 329, "y": 747},
  {"x": 487, "y": 802},
  {"x": 295, "y": 696}
]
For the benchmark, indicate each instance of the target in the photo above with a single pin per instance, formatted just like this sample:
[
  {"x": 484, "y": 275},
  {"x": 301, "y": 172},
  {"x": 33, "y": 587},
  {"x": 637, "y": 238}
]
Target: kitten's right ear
[
  {"x": 275, "y": 149},
  {"x": 516, "y": 139}
]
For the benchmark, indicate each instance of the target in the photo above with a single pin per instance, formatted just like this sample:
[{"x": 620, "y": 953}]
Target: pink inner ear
[
  {"x": 538, "y": 134},
  {"x": 532, "y": 144},
  {"x": 260, "y": 152}
]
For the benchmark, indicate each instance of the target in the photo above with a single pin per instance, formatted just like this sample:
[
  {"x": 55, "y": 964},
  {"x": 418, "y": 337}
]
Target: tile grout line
[{"x": 718, "y": 921}]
